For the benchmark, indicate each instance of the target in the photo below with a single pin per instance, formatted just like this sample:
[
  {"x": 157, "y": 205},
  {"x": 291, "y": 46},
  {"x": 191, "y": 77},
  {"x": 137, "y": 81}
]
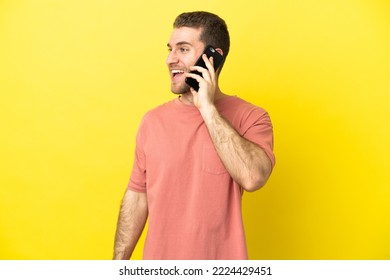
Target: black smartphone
[{"x": 210, "y": 52}]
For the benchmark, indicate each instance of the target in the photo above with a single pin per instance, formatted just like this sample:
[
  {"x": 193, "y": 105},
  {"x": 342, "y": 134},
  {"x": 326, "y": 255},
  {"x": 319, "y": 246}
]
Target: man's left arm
[{"x": 245, "y": 161}]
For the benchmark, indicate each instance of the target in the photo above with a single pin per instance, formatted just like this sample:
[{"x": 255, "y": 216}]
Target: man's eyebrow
[{"x": 181, "y": 43}]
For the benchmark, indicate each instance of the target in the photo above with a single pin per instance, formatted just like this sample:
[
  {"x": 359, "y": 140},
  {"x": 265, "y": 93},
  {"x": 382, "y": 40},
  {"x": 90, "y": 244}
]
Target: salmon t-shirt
[{"x": 194, "y": 204}]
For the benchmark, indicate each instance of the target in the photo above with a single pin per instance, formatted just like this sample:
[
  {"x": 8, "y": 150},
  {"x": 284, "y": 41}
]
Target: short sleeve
[
  {"x": 137, "y": 180},
  {"x": 258, "y": 129}
]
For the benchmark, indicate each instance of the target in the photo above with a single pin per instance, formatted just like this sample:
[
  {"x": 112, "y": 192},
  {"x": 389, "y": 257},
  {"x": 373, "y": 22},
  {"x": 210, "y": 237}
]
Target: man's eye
[{"x": 184, "y": 50}]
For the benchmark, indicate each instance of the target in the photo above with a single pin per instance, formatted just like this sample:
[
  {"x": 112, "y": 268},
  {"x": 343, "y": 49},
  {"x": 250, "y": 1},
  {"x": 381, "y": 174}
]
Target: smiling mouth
[{"x": 176, "y": 73}]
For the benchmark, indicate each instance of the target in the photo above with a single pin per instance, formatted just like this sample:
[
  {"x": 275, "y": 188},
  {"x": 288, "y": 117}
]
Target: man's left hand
[{"x": 204, "y": 97}]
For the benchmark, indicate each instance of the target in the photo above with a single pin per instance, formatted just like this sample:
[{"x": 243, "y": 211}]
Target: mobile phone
[{"x": 210, "y": 52}]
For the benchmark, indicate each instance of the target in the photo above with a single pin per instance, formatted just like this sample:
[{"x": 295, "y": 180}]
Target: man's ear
[{"x": 220, "y": 51}]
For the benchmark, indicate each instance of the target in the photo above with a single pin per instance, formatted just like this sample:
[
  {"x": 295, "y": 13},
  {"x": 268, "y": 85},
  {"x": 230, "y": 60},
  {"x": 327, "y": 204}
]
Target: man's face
[{"x": 185, "y": 48}]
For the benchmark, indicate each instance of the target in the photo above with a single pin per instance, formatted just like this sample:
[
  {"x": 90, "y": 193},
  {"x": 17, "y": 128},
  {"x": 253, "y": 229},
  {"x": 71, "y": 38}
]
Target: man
[{"x": 194, "y": 158}]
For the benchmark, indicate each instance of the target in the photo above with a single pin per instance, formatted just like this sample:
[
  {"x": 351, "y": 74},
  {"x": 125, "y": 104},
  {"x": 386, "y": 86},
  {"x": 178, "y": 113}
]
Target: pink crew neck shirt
[{"x": 194, "y": 205}]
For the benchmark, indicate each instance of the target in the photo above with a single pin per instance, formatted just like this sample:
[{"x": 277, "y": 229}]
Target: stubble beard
[{"x": 183, "y": 89}]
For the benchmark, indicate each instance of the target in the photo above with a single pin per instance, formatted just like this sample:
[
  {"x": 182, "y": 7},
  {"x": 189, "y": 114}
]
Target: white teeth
[{"x": 177, "y": 71}]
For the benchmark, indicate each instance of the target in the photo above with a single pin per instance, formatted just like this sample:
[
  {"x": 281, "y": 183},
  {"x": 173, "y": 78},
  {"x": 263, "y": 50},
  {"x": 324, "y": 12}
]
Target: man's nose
[{"x": 172, "y": 58}]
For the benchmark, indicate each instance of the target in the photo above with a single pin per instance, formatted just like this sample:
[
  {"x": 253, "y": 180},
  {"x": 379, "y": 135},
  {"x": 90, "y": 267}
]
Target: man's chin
[{"x": 182, "y": 90}]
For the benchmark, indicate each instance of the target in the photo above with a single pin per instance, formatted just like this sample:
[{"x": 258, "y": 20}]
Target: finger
[
  {"x": 196, "y": 77},
  {"x": 208, "y": 61},
  {"x": 210, "y": 65},
  {"x": 205, "y": 74}
]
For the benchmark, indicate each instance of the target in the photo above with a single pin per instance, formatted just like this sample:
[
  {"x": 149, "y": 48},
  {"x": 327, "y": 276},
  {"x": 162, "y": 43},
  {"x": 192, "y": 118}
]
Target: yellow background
[{"x": 77, "y": 76}]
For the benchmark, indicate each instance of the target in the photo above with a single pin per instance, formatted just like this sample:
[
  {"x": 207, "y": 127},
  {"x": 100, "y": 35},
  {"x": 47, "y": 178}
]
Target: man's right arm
[{"x": 131, "y": 222}]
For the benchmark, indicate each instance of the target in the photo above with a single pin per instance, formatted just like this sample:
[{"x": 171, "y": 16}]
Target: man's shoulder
[
  {"x": 240, "y": 105},
  {"x": 159, "y": 110}
]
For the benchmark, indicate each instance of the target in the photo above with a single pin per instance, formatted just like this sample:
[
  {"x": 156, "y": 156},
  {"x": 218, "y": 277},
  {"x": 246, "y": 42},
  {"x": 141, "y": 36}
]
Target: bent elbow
[
  {"x": 254, "y": 185},
  {"x": 257, "y": 182}
]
